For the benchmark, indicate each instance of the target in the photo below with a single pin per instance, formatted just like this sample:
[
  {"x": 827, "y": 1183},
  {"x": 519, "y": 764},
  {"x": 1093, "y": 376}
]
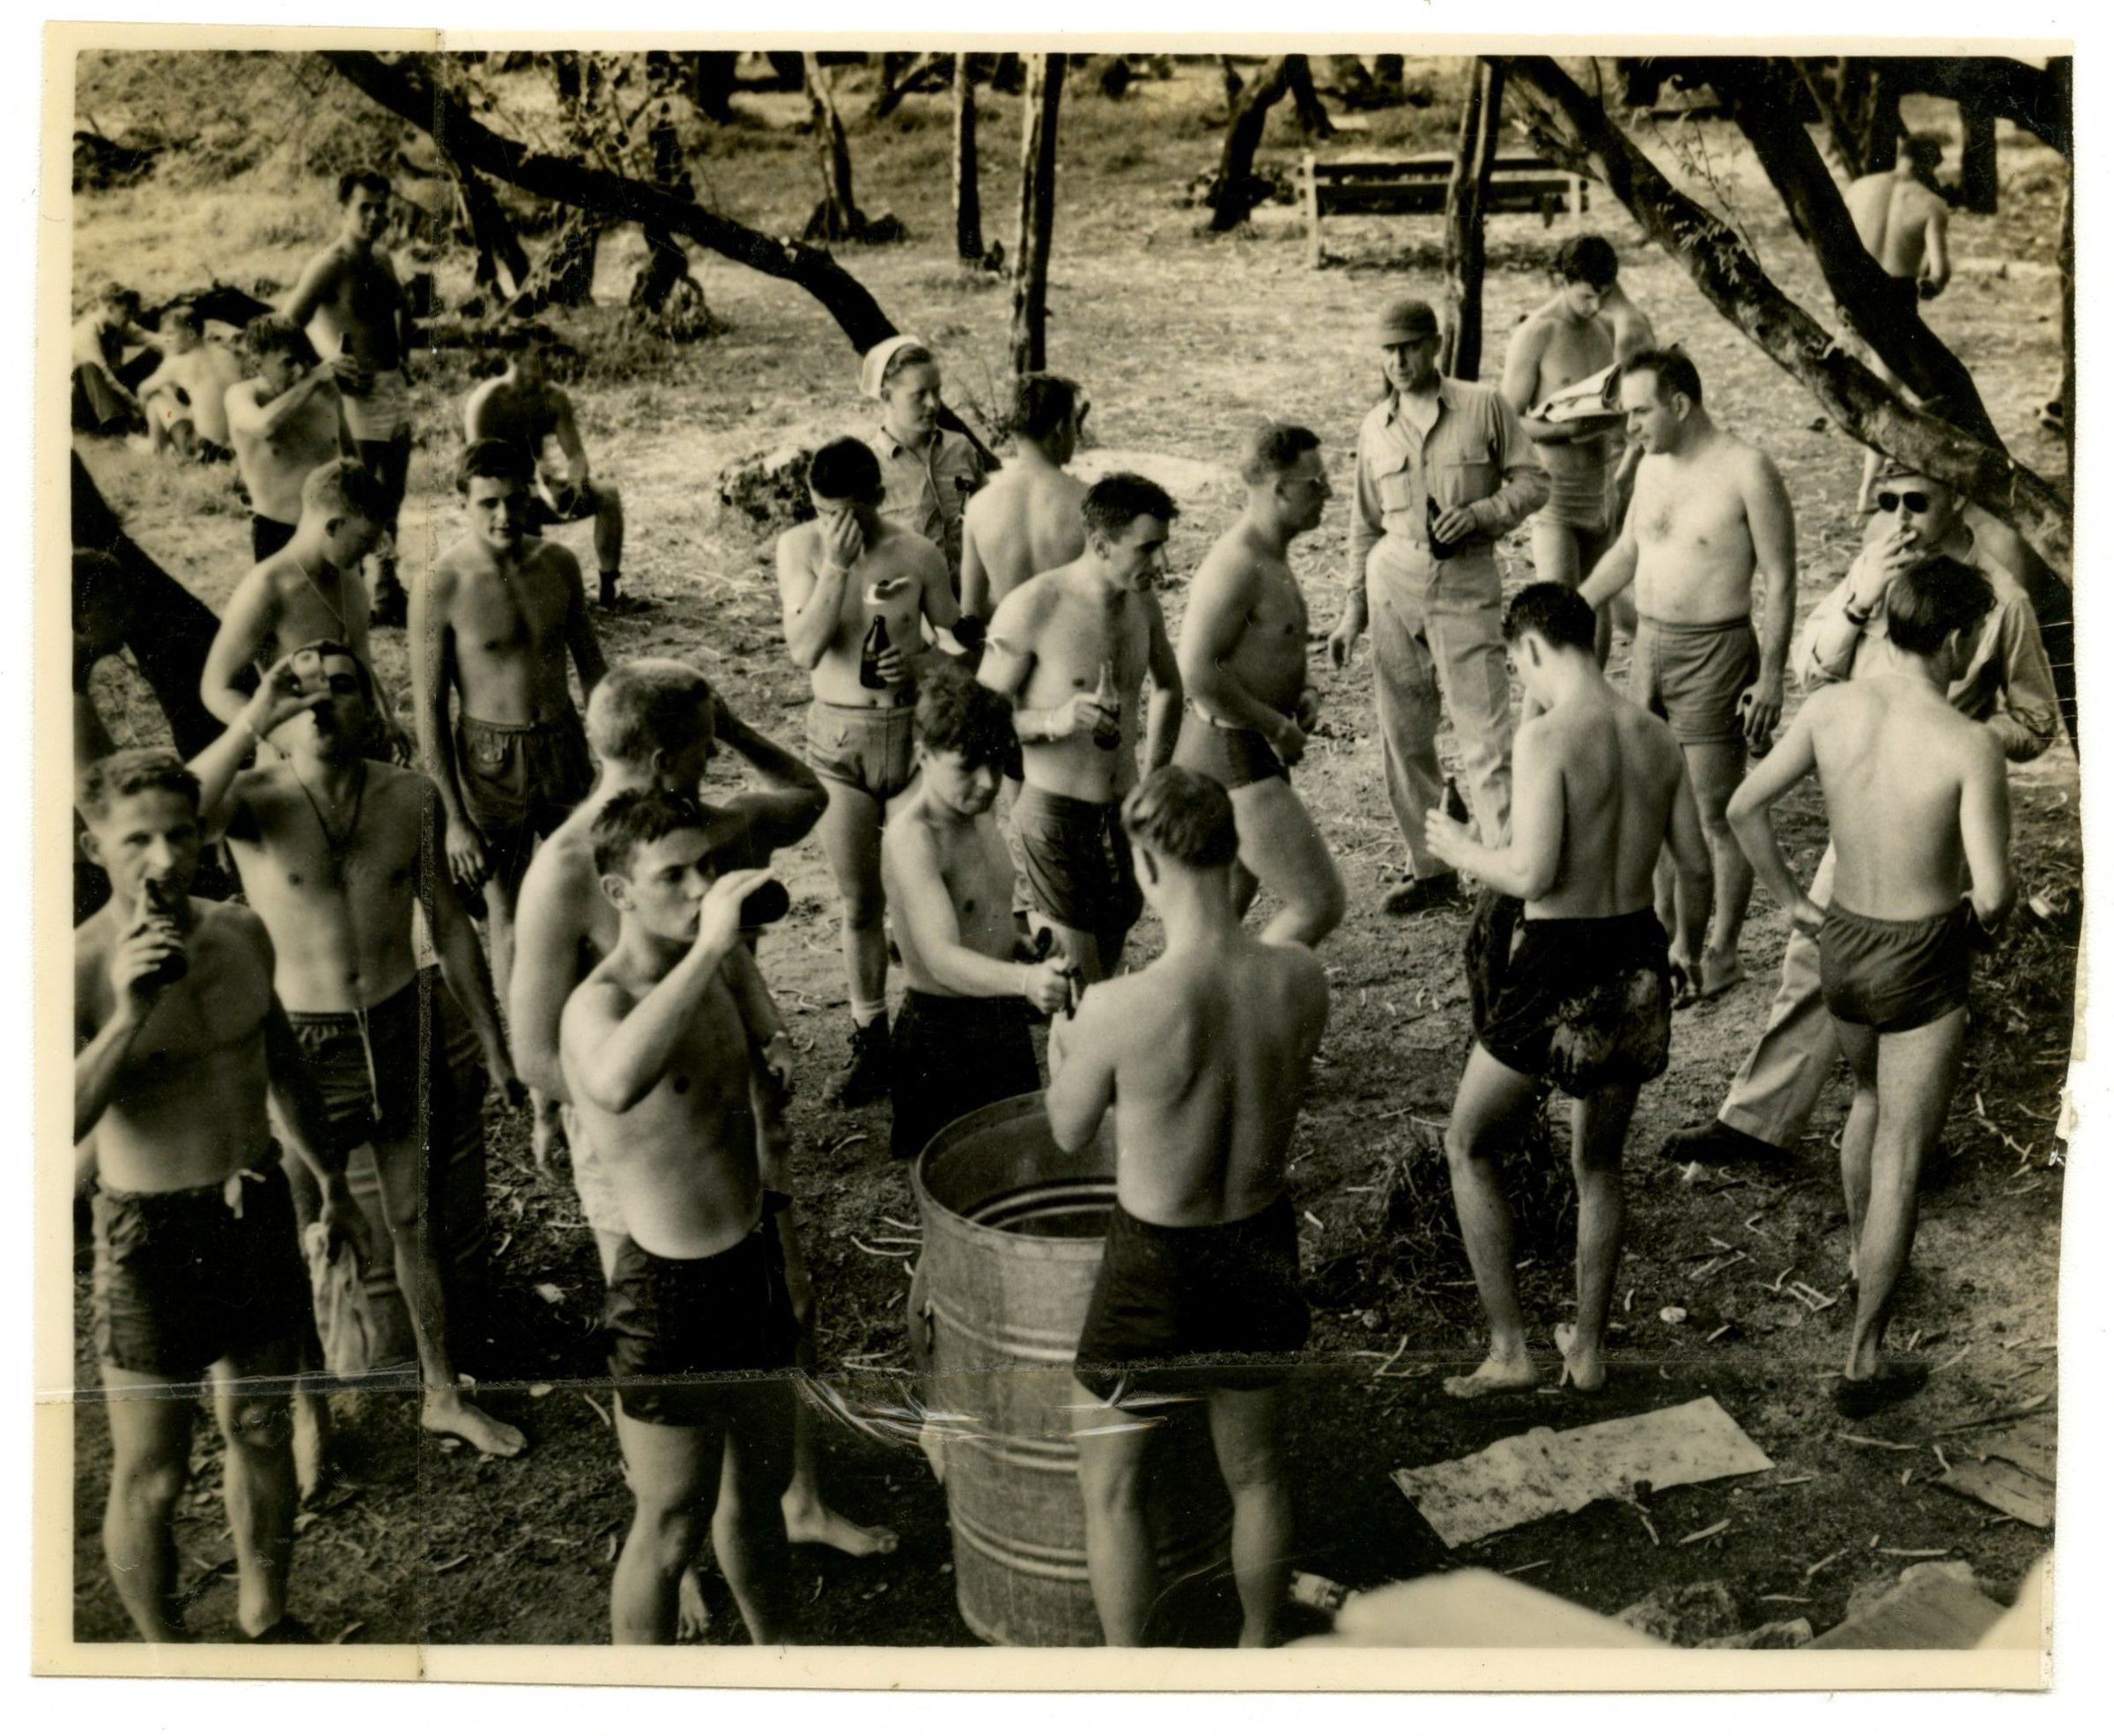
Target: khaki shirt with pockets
[{"x": 926, "y": 487}]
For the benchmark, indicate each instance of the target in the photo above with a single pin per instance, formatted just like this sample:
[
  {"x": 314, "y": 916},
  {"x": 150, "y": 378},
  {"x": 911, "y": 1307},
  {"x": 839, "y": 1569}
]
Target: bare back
[
  {"x": 1023, "y": 522},
  {"x": 1620, "y": 771},
  {"x": 519, "y": 415},
  {"x": 1893, "y": 218}
]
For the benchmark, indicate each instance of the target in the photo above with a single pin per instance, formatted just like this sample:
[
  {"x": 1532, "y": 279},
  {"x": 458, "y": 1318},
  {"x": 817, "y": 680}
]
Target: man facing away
[
  {"x": 961, "y": 1038},
  {"x": 1026, "y": 520},
  {"x": 351, "y": 293},
  {"x": 1901, "y": 218},
  {"x": 186, "y": 397},
  {"x": 856, "y": 592},
  {"x": 1709, "y": 517},
  {"x": 1204, "y": 1055},
  {"x": 1072, "y": 649},
  {"x": 2007, "y": 686},
  {"x": 492, "y": 624},
  {"x": 284, "y": 422},
  {"x": 658, "y": 1066},
  {"x": 1601, "y": 790},
  {"x": 331, "y": 844},
  {"x": 523, "y": 408},
  {"x": 1917, "y": 815},
  {"x": 1243, "y": 658},
  {"x": 178, "y": 1039}
]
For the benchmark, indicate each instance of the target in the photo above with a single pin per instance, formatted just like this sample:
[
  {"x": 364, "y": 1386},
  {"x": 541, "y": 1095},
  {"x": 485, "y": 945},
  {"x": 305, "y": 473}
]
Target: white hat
[{"x": 874, "y": 365}]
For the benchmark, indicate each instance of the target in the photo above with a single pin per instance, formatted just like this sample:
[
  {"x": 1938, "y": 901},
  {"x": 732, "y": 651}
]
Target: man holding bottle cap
[{"x": 1444, "y": 470}]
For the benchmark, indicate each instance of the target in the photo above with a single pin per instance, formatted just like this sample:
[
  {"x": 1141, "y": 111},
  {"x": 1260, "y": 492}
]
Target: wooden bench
[{"x": 1399, "y": 186}]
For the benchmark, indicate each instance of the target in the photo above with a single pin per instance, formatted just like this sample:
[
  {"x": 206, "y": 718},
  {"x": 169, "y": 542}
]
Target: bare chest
[
  {"x": 1078, "y": 638},
  {"x": 501, "y": 615},
  {"x": 1677, "y": 514},
  {"x": 1571, "y": 352}
]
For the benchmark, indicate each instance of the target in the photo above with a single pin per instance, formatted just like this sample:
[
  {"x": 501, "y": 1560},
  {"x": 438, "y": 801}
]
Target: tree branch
[{"x": 2038, "y": 99}]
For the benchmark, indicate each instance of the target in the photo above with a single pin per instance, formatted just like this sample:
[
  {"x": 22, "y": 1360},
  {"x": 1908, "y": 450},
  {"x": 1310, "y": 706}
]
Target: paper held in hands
[{"x": 1592, "y": 400}]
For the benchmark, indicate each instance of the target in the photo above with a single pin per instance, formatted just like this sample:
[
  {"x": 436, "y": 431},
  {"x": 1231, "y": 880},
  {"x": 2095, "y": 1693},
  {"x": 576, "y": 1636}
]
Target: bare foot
[
  {"x": 1721, "y": 971},
  {"x": 546, "y": 1132},
  {"x": 691, "y": 1616},
  {"x": 311, "y": 1444},
  {"x": 1516, "y": 1374},
  {"x": 1586, "y": 1372},
  {"x": 451, "y": 1414},
  {"x": 813, "y": 1522}
]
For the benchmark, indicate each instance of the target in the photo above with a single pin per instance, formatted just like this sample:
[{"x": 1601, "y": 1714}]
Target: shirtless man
[
  {"x": 309, "y": 589},
  {"x": 961, "y": 1035},
  {"x": 331, "y": 846},
  {"x": 1709, "y": 516},
  {"x": 1918, "y": 813},
  {"x": 1243, "y": 659},
  {"x": 102, "y": 402},
  {"x": 524, "y": 409},
  {"x": 178, "y": 1038},
  {"x": 186, "y": 398},
  {"x": 1204, "y": 1055},
  {"x": 350, "y": 299},
  {"x": 654, "y": 725},
  {"x": 658, "y": 1065},
  {"x": 284, "y": 421},
  {"x": 492, "y": 624},
  {"x": 856, "y": 592},
  {"x": 1599, "y": 790},
  {"x": 1072, "y": 649},
  {"x": 1026, "y": 520},
  {"x": 1901, "y": 218}
]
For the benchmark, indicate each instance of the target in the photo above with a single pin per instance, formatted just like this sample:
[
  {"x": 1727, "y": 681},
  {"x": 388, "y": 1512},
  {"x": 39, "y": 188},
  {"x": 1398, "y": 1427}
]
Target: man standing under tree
[
  {"x": 1582, "y": 1002},
  {"x": 284, "y": 421},
  {"x": 1243, "y": 659},
  {"x": 1204, "y": 1056},
  {"x": 1445, "y": 469},
  {"x": 1709, "y": 516},
  {"x": 1901, "y": 218}
]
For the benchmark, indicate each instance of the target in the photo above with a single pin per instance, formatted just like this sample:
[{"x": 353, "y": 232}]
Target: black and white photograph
[{"x": 1239, "y": 846}]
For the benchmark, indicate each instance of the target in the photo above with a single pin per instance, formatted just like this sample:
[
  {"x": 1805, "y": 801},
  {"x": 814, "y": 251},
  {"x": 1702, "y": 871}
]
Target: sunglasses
[{"x": 1915, "y": 500}]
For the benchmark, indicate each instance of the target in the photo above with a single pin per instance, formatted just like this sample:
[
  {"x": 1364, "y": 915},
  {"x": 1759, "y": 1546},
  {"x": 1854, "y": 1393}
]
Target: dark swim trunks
[
  {"x": 186, "y": 1278},
  {"x": 867, "y": 747},
  {"x": 1181, "y": 1310},
  {"x": 520, "y": 780},
  {"x": 1693, "y": 675},
  {"x": 1895, "y": 976},
  {"x": 950, "y": 1054},
  {"x": 1076, "y": 860},
  {"x": 268, "y": 536},
  {"x": 671, "y": 1320},
  {"x": 1236, "y": 757},
  {"x": 367, "y": 1066},
  {"x": 1581, "y": 1003}
]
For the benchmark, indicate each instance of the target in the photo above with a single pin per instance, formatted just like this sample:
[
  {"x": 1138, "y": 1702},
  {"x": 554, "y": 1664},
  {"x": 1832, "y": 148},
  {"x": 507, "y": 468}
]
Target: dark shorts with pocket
[
  {"x": 519, "y": 781},
  {"x": 867, "y": 747}
]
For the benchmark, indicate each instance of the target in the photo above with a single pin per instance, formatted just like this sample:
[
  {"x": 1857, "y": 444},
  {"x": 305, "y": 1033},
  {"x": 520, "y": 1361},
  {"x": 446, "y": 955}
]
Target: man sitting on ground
[
  {"x": 1920, "y": 822},
  {"x": 1204, "y": 1055},
  {"x": 102, "y": 402},
  {"x": 185, "y": 399},
  {"x": 1600, "y": 789},
  {"x": 286, "y": 421}
]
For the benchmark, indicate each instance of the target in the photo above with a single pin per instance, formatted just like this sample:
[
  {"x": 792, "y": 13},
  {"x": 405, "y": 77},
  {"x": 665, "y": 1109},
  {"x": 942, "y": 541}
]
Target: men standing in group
[
  {"x": 1243, "y": 659},
  {"x": 2007, "y": 685},
  {"x": 186, "y": 397},
  {"x": 1582, "y": 1002},
  {"x": 1445, "y": 469},
  {"x": 1918, "y": 816},
  {"x": 658, "y": 1065},
  {"x": 284, "y": 422},
  {"x": 856, "y": 592},
  {"x": 350, "y": 291},
  {"x": 333, "y": 846},
  {"x": 1073, "y": 649},
  {"x": 492, "y": 624},
  {"x": 928, "y": 471},
  {"x": 178, "y": 1038},
  {"x": 1709, "y": 517},
  {"x": 1026, "y": 520},
  {"x": 1901, "y": 218},
  {"x": 523, "y": 408},
  {"x": 1203, "y": 1055}
]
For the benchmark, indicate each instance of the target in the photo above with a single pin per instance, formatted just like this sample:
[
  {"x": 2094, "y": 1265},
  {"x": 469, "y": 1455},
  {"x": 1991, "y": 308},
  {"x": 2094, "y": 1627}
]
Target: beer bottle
[
  {"x": 870, "y": 648},
  {"x": 1108, "y": 736}
]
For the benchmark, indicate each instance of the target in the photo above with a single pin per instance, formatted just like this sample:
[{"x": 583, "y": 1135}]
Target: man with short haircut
[
  {"x": 285, "y": 422},
  {"x": 102, "y": 402},
  {"x": 657, "y": 1062},
  {"x": 928, "y": 470},
  {"x": 856, "y": 592},
  {"x": 1582, "y": 1001},
  {"x": 2007, "y": 685},
  {"x": 1444, "y": 470},
  {"x": 524, "y": 409},
  {"x": 332, "y": 845},
  {"x": 1920, "y": 822},
  {"x": 1709, "y": 518},
  {"x": 351, "y": 298},
  {"x": 1243, "y": 658},
  {"x": 492, "y": 624},
  {"x": 185, "y": 398},
  {"x": 309, "y": 589},
  {"x": 1073, "y": 649},
  {"x": 1901, "y": 218},
  {"x": 1204, "y": 1055},
  {"x": 178, "y": 1039},
  {"x": 1026, "y": 520},
  {"x": 961, "y": 1038}
]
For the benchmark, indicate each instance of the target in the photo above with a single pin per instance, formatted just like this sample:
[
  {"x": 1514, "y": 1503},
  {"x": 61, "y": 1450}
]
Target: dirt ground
[{"x": 1180, "y": 340}]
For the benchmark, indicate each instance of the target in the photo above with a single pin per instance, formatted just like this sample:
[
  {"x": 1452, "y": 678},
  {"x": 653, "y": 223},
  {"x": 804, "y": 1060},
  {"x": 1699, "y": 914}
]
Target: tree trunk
[
  {"x": 565, "y": 277},
  {"x": 968, "y": 202},
  {"x": 1570, "y": 129},
  {"x": 2066, "y": 262},
  {"x": 1977, "y": 159},
  {"x": 711, "y": 80},
  {"x": 1037, "y": 213},
  {"x": 1468, "y": 194},
  {"x": 1842, "y": 140},
  {"x": 1313, "y": 118},
  {"x": 1390, "y": 76},
  {"x": 1881, "y": 141},
  {"x": 837, "y": 216},
  {"x": 502, "y": 263},
  {"x": 905, "y": 75},
  {"x": 1234, "y": 190}
]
